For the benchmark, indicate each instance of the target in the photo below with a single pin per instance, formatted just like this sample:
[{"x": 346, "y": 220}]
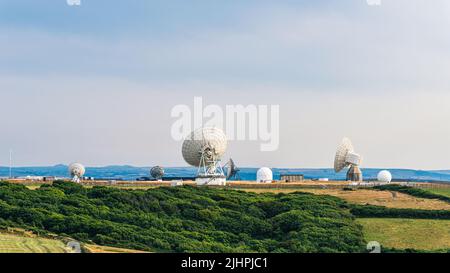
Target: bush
[
  {"x": 413, "y": 192},
  {"x": 184, "y": 219},
  {"x": 370, "y": 211}
]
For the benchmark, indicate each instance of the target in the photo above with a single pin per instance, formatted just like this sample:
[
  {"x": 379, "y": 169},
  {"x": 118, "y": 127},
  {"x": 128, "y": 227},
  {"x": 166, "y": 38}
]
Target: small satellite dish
[
  {"x": 204, "y": 149},
  {"x": 76, "y": 171},
  {"x": 346, "y": 157},
  {"x": 264, "y": 175},
  {"x": 384, "y": 176},
  {"x": 232, "y": 171},
  {"x": 157, "y": 172}
]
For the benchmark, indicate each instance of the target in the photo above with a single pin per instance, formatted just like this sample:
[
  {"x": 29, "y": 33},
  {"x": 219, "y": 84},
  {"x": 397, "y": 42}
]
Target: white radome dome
[
  {"x": 384, "y": 176},
  {"x": 264, "y": 175}
]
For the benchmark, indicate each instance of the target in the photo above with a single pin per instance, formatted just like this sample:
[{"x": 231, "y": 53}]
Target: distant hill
[
  {"x": 442, "y": 171},
  {"x": 132, "y": 173}
]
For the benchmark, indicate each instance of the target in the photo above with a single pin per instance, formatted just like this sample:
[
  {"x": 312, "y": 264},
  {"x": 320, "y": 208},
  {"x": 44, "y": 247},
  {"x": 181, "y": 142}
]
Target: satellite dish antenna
[
  {"x": 204, "y": 149},
  {"x": 157, "y": 172},
  {"x": 346, "y": 157},
  {"x": 76, "y": 171},
  {"x": 232, "y": 171}
]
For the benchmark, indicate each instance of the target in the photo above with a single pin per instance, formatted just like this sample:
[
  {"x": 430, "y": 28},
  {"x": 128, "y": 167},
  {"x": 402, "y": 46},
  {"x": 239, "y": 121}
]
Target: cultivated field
[
  {"x": 443, "y": 191},
  {"x": 108, "y": 249},
  {"x": 372, "y": 197},
  {"x": 408, "y": 233},
  {"x": 11, "y": 243},
  {"x": 29, "y": 243}
]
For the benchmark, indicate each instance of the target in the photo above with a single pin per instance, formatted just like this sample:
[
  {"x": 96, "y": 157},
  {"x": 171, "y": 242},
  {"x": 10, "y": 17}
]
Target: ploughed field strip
[
  {"x": 10, "y": 243},
  {"x": 371, "y": 197}
]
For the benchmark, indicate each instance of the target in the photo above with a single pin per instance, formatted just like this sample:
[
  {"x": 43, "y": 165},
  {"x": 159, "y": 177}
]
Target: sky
[{"x": 96, "y": 83}]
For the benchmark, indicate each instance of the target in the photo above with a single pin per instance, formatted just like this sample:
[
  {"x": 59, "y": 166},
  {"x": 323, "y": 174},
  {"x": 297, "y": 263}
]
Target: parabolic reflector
[
  {"x": 76, "y": 171},
  {"x": 208, "y": 141},
  {"x": 157, "y": 172},
  {"x": 232, "y": 170},
  {"x": 345, "y": 156}
]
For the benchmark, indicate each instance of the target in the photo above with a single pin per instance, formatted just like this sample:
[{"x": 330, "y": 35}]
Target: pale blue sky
[{"x": 96, "y": 83}]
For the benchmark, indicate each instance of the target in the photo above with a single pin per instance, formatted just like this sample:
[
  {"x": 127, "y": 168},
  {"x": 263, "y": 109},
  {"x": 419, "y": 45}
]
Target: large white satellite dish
[
  {"x": 204, "y": 149},
  {"x": 346, "y": 157},
  {"x": 76, "y": 171}
]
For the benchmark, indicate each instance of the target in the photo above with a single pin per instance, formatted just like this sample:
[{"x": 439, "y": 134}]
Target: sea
[{"x": 133, "y": 173}]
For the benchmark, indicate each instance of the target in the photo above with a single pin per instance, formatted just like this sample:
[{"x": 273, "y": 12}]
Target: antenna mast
[{"x": 10, "y": 163}]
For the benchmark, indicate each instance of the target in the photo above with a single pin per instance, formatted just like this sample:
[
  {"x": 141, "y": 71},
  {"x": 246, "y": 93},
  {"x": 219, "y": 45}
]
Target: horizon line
[{"x": 243, "y": 167}]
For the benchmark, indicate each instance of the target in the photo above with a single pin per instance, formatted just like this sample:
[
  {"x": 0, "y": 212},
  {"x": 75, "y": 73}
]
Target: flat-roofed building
[{"x": 292, "y": 178}]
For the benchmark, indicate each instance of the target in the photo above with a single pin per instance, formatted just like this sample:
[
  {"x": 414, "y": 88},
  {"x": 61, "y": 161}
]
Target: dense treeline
[
  {"x": 413, "y": 191},
  {"x": 370, "y": 211},
  {"x": 184, "y": 219}
]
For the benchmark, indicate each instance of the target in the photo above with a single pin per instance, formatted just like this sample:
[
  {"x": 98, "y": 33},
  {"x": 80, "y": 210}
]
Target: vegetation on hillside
[
  {"x": 440, "y": 191},
  {"x": 408, "y": 234},
  {"x": 413, "y": 192},
  {"x": 184, "y": 219},
  {"x": 370, "y": 211}
]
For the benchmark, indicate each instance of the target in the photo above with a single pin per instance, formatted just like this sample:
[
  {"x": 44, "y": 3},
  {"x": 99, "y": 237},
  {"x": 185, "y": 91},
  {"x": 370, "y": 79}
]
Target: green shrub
[
  {"x": 184, "y": 219},
  {"x": 370, "y": 211},
  {"x": 413, "y": 192}
]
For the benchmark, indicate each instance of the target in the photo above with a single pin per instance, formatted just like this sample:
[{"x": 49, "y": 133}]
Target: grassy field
[
  {"x": 378, "y": 198},
  {"x": 11, "y": 243},
  {"x": 442, "y": 191},
  {"x": 107, "y": 249},
  {"x": 408, "y": 233},
  {"x": 28, "y": 243}
]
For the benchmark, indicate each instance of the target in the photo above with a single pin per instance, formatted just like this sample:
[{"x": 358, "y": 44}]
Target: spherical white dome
[
  {"x": 264, "y": 175},
  {"x": 211, "y": 139},
  {"x": 384, "y": 176}
]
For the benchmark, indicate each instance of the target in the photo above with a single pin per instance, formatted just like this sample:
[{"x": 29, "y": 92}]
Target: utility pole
[{"x": 10, "y": 163}]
